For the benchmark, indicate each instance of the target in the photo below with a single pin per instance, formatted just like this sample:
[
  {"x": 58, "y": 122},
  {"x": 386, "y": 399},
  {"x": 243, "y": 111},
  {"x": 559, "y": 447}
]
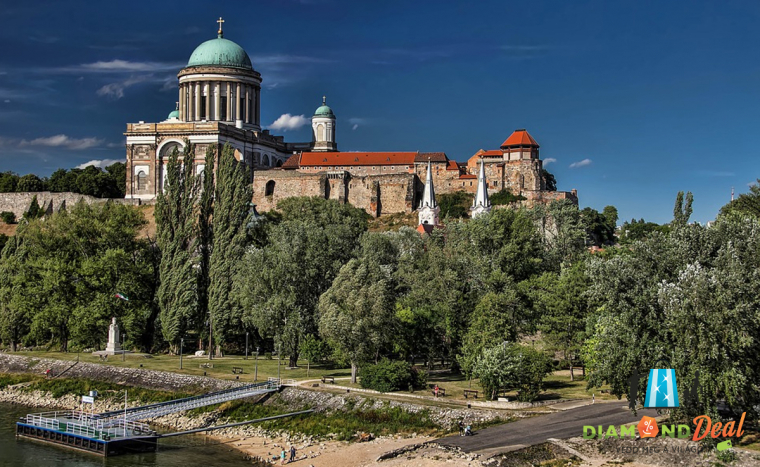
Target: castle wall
[{"x": 18, "y": 203}]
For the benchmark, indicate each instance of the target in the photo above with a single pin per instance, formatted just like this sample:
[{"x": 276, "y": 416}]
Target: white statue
[{"x": 114, "y": 346}]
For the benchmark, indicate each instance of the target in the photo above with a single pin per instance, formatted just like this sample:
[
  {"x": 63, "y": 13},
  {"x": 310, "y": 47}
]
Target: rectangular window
[
  {"x": 203, "y": 108},
  {"x": 241, "y": 108},
  {"x": 223, "y": 113}
]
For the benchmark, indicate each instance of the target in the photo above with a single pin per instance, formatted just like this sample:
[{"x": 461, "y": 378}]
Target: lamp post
[
  {"x": 246, "y": 345},
  {"x": 181, "y": 344},
  {"x": 279, "y": 356},
  {"x": 256, "y": 371},
  {"x": 123, "y": 350}
]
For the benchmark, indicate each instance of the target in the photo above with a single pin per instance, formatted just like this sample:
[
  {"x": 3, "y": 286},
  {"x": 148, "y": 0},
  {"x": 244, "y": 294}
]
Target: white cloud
[
  {"x": 355, "y": 122},
  {"x": 102, "y": 163},
  {"x": 289, "y": 122},
  {"x": 64, "y": 141},
  {"x": 356, "y": 125},
  {"x": 116, "y": 90},
  {"x": 582, "y": 163},
  {"x": 549, "y": 160},
  {"x": 123, "y": 66}
]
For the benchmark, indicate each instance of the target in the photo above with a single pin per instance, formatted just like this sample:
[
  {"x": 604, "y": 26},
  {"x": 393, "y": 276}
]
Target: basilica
[{"x": 219, "y": 103}]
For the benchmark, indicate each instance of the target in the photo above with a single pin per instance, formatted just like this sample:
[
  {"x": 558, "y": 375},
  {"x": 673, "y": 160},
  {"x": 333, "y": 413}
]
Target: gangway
[{"x": 178, "y": 405}]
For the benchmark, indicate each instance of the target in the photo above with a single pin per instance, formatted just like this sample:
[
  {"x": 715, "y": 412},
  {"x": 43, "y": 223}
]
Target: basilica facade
[{"x": 219, "y": 103}]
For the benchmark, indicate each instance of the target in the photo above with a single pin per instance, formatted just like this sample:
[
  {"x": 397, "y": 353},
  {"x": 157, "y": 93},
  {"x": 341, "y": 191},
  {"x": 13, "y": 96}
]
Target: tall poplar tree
[
  {"x": 175, "y": 218},
  {"x": 205, "y": 234},
  {"x": 231, "y": 206}
]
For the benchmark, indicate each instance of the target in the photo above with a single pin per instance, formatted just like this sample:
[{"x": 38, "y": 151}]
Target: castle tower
[
  {"x": 323, "y": 128},
  {"x": 520, "y": 146},
  {"x": 481, "y": 204},
  {"x": 429, "y": 209}
]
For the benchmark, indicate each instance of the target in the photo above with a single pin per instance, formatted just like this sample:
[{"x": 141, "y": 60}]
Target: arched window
[
  {"x": 269, "y": 190},
  {"x": 142, "y": 180},
  {"x": 265, "y": 160},
  {"x": 320, "y": 132},
  {"x": 279, "y": 163}
]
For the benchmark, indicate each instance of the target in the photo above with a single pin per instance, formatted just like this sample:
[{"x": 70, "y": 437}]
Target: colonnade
[{"x": 232, "y": 101}]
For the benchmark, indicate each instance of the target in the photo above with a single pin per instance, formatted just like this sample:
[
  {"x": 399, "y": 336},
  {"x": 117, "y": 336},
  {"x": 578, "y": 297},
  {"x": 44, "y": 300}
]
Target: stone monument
[
  {"x": 114, "y": 346},
  {"x": 114, "y": 341}
]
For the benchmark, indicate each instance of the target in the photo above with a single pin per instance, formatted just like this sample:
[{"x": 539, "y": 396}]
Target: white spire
[
  {"x": 428, "y": 198},
  {"x": 428, "y": 210},
  {"x": 481, "y": 204}
]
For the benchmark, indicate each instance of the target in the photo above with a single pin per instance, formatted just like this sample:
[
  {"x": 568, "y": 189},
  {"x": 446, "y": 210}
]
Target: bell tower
[{"x": 323, "y": 128}]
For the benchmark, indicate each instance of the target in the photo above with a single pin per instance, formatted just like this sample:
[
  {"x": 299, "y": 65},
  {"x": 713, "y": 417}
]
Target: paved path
[{"x": 536, "y": 430}]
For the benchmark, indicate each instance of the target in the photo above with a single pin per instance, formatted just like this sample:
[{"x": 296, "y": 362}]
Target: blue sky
[{"x": 655, "y": 96}]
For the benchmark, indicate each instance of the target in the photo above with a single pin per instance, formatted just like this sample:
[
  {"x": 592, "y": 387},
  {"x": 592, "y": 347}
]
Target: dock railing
[{"x": 84, "y": 424}]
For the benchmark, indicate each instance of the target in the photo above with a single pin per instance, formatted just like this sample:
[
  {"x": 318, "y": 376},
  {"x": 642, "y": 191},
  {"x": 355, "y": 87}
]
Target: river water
[{"x": 182, "y": 451}]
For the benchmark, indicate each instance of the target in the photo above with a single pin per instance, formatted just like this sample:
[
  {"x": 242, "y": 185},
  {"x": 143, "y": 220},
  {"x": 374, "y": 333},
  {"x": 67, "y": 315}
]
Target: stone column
[
  {"x": 218, "y": 100},
  {"x": 182, "y": 102},
  {"x": 228, "y": 116},
  {"x": 208, "y": 101},
  {"x": 197, "y": 101},
  {"x": 247, "y": 118},
  {"x": 237, "y": 103}
]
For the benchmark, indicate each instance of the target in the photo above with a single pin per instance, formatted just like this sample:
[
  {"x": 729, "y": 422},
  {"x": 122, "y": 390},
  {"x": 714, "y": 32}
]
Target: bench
[
  {"x": 470, "y": 392},
  {"x": 441, "y": 391},
  {"x": 206, "y": 365},
  {"x": 237, "y": 370},
  {"x": 326, "y": 379}
]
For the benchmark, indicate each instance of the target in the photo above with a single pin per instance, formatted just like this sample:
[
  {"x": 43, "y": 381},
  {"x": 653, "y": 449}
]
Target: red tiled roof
[
  {"x": 463, "y": 176},
  {"x": 520, "y": 138},
  {"x": 491, "y": 152},
  {"x": 309, "y": 159},
  {"x": 292, "y": 162},
  {"x": 452, "y": 165},
  {"x": 432, "y": 156}
]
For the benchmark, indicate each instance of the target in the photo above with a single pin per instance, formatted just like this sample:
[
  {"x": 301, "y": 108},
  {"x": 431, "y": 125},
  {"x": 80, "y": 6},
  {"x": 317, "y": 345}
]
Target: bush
[
  {"x": 8, "y": 217},
  {"x": 505, "y": 197},
  {"x": 389, "y": 375},
  {"x": 512, "y": 366}
]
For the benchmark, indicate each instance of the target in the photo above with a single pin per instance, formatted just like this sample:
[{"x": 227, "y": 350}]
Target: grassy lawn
[
  {"x": 556, "y": 386},
  {"x": 191, "y": 365}
]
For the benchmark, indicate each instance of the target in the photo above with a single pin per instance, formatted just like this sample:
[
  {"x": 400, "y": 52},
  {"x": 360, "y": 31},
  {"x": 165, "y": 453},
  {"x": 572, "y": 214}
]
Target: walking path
[{"x": 536, "y": 430}]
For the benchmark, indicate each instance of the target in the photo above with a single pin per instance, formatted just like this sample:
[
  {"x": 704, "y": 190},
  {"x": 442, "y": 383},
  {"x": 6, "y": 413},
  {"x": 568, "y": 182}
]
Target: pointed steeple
[
  {"x": 481, "y": 204},
  {"x": 428, "y": 210},
  {"x": 428, "y": 197}
]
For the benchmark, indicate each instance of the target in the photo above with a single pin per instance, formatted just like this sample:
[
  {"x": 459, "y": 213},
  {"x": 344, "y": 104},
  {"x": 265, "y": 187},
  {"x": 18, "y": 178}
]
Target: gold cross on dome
[{"x": 220, "y": 21}]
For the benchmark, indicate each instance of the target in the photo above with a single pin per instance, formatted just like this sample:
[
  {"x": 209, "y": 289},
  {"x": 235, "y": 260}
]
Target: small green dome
[
  {"x": 220, "y": 52},
  {"x": 324, "y": 110},
  {"x": 173, "y": 114}
]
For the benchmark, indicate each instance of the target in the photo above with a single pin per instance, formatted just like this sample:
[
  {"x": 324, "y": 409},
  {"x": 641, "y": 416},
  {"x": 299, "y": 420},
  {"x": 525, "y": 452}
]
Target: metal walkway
[{"x": 164, "y": 408}]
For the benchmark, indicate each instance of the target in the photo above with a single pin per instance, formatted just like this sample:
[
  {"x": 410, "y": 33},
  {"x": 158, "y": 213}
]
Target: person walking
[
  {"x": 461, "y": 427},
  {"x": 292, "y": 453},
  {"x": 435, "y": 391},
  {"x": 282, "y": 457}
]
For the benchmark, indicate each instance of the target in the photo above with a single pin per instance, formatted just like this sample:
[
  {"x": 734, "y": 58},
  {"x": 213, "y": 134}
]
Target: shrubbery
[
  {"x": 390, "y": 375},
  {"x": 8, "y": 217}
]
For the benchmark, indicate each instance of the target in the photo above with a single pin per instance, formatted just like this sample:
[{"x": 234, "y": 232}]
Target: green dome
[
  {"x": 220, "y": 52},
  {"x": 324, "y": 111},
  {"x": 173, "y": 114}
]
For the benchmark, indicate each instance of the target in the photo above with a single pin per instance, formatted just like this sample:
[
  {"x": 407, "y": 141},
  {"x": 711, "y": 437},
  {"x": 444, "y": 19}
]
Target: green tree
[
  {"x": 562, "y": 231},
  {"x": 497, "y": 318},
  {"x": 357, "y": 313},
  {"x": 205, "y": 237},
  {"x": 682, "y": 209},
  {"x": 230, "y": 216},
  {"x": 280, "y": 283},
  {"x": 508, "y": 366},
  {"x": 30, "y": 183},
  {"x": 8, "y": 182},
  {"x": 313, "y": 350},
  {"x": 550, "y": 183},
  {"x": 118, "y": 178},
  {"x": 34, "y": 211},
  {"x": 454, "y": 205},
  {"x": 175, "y": 217},
  {"x": 560, "y": 301},
  {"x": 505, "y": 197},
  {"x": 746, "y": 203}
]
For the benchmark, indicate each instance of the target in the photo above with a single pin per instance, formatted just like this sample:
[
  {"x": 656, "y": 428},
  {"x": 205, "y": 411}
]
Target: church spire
[
  {"x": 428, "y": 210},
  {"x": 220, "y": 33},
  {"x": 481, "y": 205},
  {"x": 428, "y": 198}
]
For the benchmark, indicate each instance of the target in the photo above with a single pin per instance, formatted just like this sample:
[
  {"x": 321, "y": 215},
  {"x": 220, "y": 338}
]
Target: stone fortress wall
[{"x": 18, "y": 203}]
